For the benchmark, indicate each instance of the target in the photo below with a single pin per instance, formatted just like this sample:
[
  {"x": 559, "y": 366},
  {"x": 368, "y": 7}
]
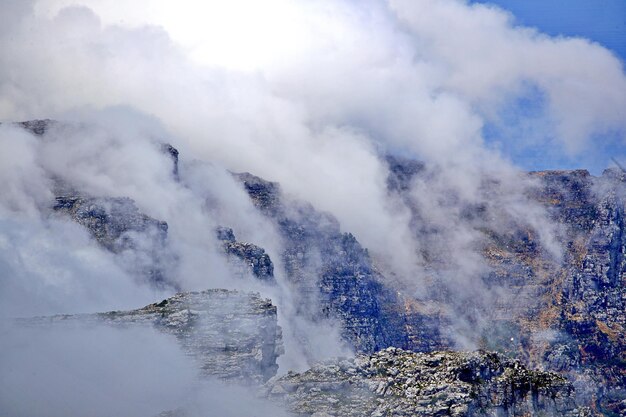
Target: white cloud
[
  {"x": 486, "y": 58},
  {"x": 75, "y": 369},
  {"x": 305, "y": 93}
]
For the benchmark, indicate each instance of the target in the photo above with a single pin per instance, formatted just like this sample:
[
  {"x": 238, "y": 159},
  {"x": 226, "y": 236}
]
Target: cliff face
[
  {"x": 118, "y": 226},
  {"x": 231, "y": 335},
  {"x": 565, "y": 314},
  {"x": 394, "y": 382},
  {"x": 582, "y": 299},
  {"x": 568, "y": 314},
  {"x": 248, "y": 258},
  {"x": 592, "y": 296},
  {"x": 332, "y": 272}
]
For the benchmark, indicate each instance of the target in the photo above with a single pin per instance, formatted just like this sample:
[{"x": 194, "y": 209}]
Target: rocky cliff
[
  {"x": 562, "y": 313},
  {"x": 590, "y": 301},
  {"x": 117, "y": 225},
  {"x": 247, "y": 258},
  {"x": 332, "y": 272},
  {"x": 394, "y": 382},
  {"x": 231, "y": 335}
]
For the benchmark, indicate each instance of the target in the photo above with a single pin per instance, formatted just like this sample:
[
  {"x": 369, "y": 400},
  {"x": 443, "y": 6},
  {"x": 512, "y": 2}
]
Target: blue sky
[{"x": 602, "y": 21}]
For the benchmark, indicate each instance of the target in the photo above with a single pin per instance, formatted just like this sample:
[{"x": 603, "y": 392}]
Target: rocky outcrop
[
  {"x": 172, "y": 152},
  {"x": 110, "y": 220},
  {"x": 38, "y": 127},
  {"x": 247, "y": 258},
  {"x": 118, "y": 226},
  {"x": 116, "y": 223},
  {"x": 231, "y": 335},
  {"x": 565, "y": 314},
  {"x": 333, "y": 274},
  {"x": 394, "y": 382}
]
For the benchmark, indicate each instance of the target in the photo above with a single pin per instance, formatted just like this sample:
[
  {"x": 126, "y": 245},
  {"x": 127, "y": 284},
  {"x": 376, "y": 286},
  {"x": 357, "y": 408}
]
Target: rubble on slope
[{"x": 394, "y": 382}]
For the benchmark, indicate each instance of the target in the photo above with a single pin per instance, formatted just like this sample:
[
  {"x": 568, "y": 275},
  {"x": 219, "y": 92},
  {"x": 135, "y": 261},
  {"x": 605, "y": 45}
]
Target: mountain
[{"x": 555, "y": 320}]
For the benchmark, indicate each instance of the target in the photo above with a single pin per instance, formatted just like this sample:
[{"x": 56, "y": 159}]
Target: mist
[
  {"x": 97, "y": 370},
  {"x": 312, "y": 95}
]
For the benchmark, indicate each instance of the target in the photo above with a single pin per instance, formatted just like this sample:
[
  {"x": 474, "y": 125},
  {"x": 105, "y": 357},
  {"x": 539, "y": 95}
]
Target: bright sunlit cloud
[{"x": 236, "y": 34}]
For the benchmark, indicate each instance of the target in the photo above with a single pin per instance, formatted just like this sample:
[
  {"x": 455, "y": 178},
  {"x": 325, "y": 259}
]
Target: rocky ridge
[
  {"x": 394, "y": 382},
  {"x": 334, "y": 274},
  {"x": 568, "y": 316},
  {"x": 232, "y": 335}
]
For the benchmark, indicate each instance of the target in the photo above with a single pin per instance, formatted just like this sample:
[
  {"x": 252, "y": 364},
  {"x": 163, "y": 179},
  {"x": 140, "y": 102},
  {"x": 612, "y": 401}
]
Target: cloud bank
[
  {"x": 418, "y": 77},
  {"x": 309, "y": 94}
]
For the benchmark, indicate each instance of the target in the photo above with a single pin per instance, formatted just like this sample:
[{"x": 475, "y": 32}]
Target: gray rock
[
  {"x": 394, "y": 382},
  {"x": 247, "y": 257},
  {"x": 118, "y": 226},
  {"x": 231, "y": 335},
  {"x": 334, "y": 277},
  {"x": 172, "y": 152}
]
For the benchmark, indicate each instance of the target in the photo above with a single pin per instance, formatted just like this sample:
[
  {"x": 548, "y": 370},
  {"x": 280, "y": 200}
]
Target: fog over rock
[
  {"x": 286, "y": 182},
  {"x": 528, "y": 302},
  {"x": 230, "y": 335}
]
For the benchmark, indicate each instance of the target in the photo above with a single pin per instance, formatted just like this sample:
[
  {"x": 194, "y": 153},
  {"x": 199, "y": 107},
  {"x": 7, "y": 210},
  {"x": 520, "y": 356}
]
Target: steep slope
[
  {"x": 566, "y": 314},
  {"x": 334, "y": 274},
  {"x": 563, "y": 313}
]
